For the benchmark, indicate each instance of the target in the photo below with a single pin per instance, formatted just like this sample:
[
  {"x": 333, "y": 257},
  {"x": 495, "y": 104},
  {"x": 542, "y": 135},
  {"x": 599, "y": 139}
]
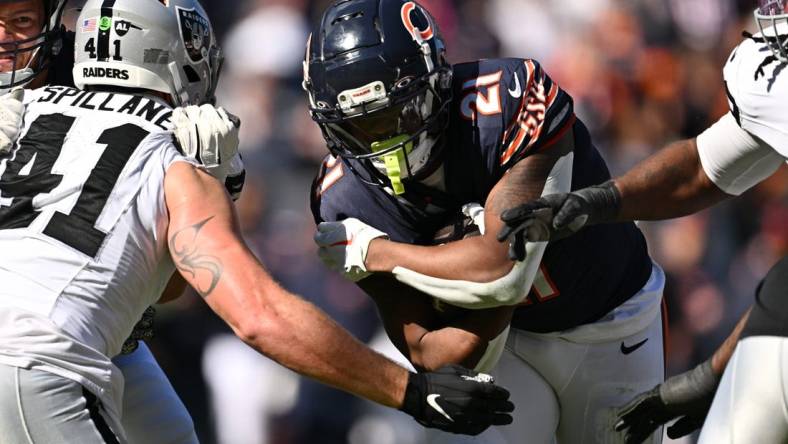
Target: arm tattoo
[
  {"x": 189, "y": 259},
  {"x": 526, "y": 180}
]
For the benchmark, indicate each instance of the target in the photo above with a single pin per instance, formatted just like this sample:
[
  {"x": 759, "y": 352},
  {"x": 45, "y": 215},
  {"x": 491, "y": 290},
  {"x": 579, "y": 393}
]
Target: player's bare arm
[
  {"x": 207, "y": 250},
  {"x": 430, "y": 337},
  {"x": 682, "y": 178},
  {"x": 669, "y": 184},
  {"x": 479, "y": 258}
]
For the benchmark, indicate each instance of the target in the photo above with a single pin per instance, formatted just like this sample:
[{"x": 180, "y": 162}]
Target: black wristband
[
  {"x": 691, "y": 387},
  {"x": 413, "y": 404}
]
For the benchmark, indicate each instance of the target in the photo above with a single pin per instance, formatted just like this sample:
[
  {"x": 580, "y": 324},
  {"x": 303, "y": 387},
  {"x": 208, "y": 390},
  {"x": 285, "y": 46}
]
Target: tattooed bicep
[
  {"x": 202, "y": 269},
  {"x": 525, "y": 180}
]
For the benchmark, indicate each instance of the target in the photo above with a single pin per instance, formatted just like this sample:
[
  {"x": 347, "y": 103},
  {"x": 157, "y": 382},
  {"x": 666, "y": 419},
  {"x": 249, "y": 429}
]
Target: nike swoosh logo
[
  {"x": 432, "y": 400},
  {"x": 627, "y": 350},
  {"x": 517, "y": 91}
]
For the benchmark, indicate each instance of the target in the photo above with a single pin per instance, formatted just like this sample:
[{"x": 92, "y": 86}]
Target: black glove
[
  {"x": 687, "y": 396},
  {"x": 143, "y": 331},
  {"x": 457, "y": 400},
  {"x": 556, "y": 216}
]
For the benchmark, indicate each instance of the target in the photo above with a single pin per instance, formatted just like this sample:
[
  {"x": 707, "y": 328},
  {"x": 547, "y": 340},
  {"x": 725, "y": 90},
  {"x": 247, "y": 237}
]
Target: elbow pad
[{"x": 510, "y": 289}]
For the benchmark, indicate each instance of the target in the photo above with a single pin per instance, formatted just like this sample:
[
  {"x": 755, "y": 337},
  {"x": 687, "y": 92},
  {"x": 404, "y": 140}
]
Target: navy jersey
[{"x": 502, "y": 111}]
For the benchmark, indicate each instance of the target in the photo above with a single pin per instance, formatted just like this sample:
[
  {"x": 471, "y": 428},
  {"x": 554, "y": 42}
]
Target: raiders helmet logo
[{"x": 196, "y": 34}]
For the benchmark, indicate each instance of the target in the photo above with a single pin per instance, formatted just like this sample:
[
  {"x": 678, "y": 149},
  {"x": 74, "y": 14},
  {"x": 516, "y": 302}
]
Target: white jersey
[
  {"x": 751, "y": 142},
  {"x": 83, "y": 225}
]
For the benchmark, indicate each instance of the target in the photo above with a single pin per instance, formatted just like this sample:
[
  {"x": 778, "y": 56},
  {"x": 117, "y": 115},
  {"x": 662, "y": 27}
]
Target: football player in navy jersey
[
  {"x": 739, "y": 394},
  {"x": 416, "y": 142}
]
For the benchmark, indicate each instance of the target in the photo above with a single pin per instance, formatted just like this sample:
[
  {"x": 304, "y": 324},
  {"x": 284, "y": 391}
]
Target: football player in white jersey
[
  {"x": 743, "y": 148},
  {"x": 98, "y": 207},
  {"x": 43, "y": 54}
]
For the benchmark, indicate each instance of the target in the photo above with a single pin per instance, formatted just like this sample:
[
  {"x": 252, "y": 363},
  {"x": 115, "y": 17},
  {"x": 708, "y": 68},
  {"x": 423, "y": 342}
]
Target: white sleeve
[
  {"x": 733, "y": 159},
  {"x": 507, "y": 290}
]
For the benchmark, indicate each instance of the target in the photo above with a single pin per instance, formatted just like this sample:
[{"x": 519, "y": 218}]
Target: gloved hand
[
  {"x": 556, "y": 216},
  {"x": 208, "y": 135},
  {"x": 457, "y": 400},
  {"x": 12, "y": 112},
  {"x": 343, "y": 246},
  {"x": 687, "y": 396},
  {"x": 143, "y": 331}
]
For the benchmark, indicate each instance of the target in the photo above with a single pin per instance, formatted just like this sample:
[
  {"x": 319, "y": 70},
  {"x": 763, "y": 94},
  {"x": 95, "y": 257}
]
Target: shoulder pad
[{"x": 757, "y": 86}]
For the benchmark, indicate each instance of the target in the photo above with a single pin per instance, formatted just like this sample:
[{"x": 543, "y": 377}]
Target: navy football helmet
[
  {"x": 379, "y": 87},
  {"x": 772, "y": 19},
  {"x": 31, "y": 56}
]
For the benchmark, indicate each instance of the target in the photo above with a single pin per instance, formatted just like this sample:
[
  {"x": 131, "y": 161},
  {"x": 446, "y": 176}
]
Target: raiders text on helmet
[{"x": 149, "y": 44}]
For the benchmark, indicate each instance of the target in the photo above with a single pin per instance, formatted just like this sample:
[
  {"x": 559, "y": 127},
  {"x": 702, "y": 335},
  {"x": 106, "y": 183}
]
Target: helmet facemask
[
  {"x": 772, "y": 19},
  {"x": 31, "y": 56},
  {"x": 395, "y": 134}
]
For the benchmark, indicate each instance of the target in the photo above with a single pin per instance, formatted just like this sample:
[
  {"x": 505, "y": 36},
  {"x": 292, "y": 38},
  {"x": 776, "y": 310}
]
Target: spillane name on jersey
[
  {"x": 82, "y": 231},
  {"x": 757, "y": 88},
  {"x": 503, "y": 110}
]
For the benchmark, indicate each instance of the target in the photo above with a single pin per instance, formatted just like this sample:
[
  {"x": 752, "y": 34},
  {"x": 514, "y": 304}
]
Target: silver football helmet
[
  {"x": 772, "y": 19},
  {"x": 160, "y": 45}
]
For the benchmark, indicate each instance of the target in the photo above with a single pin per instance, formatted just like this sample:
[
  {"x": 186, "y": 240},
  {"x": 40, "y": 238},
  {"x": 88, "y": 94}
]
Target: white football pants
[
  {"x": 39, "y": 407},
  {"x": 566, "y": 385},
  {"x": 750, "y": 406},
  {"x": 152, "y": 411}
]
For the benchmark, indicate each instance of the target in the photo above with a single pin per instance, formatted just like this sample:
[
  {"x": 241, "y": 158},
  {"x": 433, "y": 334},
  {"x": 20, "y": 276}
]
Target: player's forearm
[
  {"x": 473, "y": 259},
  {"x": 671, "y": 183},
  {"x": 325, "y": 351},
  {"x": 205, "y": 244},
  {"x": 724, "y": 353},
  {"x": 449, "y": 345}
]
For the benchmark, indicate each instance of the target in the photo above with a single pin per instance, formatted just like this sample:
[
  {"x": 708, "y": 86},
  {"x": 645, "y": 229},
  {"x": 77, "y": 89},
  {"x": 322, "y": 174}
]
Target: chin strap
[{"x": 395, "y": 160}]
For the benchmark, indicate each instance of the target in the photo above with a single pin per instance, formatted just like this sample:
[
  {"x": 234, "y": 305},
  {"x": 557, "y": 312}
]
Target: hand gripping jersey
[
  {"x": 83, "y": 227},
  {"x": 503, "y": 110}
]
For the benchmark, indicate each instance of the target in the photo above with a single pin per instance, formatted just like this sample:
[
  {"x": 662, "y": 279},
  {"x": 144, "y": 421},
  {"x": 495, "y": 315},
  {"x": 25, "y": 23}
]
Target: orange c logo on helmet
[{"x": 417, "y": 33}]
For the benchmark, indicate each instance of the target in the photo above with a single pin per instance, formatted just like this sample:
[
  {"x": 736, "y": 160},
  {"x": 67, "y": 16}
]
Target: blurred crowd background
[{"x": 642, "y": 73}]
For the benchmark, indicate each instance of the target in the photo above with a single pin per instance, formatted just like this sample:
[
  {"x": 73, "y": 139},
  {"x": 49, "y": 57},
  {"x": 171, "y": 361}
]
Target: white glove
[
  {"x": 343, "y": 246},
  {"x": 476, "y": 213},
  {"x": 11, "y": 113},
  {"x": 208, "y": 135}
]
